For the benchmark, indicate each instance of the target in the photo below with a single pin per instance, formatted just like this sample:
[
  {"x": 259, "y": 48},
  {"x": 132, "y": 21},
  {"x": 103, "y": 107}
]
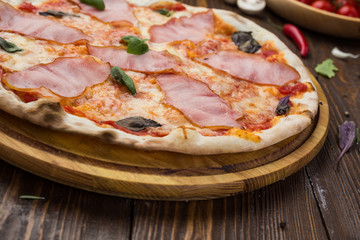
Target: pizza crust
[{"x": 189, "y": 141}]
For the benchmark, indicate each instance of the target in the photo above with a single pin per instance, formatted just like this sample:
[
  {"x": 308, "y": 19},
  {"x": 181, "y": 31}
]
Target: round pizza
[{"x": 151, "y": 75}]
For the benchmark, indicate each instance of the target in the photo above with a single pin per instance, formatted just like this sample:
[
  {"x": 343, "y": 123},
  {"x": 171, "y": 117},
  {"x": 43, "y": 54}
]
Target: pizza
[{"x": 152, "y": 75}]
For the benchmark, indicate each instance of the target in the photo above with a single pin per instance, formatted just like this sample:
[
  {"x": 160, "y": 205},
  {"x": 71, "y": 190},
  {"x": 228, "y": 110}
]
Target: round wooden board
[{"x": 90, "y": 164}]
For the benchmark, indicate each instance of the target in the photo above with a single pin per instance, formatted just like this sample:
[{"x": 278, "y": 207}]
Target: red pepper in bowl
[{"x": 323, "y": 5}]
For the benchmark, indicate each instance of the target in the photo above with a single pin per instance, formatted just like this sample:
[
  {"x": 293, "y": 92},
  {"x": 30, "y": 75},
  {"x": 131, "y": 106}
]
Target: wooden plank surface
[
  {"x": 67, "y": 213},
  {"x": 319, "y": 202},
  {"x": 285, "y": 210}
]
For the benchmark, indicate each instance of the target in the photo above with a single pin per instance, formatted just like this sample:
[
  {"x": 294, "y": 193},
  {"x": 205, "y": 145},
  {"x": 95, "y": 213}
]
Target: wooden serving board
[{"x": 90, "y": 164}]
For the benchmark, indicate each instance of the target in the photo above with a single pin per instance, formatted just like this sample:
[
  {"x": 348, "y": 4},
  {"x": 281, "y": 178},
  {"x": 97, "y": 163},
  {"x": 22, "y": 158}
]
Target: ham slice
[
  {"x": 152, "y": 61},
  {"x": 197, "y": 102},
  {"x": 251, "y": 67},
  {"x": 115, "y": 10},
  {"x": 37, "y": 26},
  {"x": 194, "y": 28},
  {"x": 67, "y": 77}
]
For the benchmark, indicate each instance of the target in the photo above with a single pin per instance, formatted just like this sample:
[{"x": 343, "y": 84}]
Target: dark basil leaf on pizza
[
  {"x": 137, "y": 123},
  {"x": 120, "y": 76},
  {"x": 57, "y": 14},
  {"x": 283, "y": 106},
  {"x": 135, "y": 45},
  {"x": 164, "y": 12},
  {"x": 98, "y": 4},
  {"x": 245, "y": 42},
  {"x": 8, "y": 46}
]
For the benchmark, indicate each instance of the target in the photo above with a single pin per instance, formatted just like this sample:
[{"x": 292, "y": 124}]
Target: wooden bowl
[{"x": 316, "y": 19}]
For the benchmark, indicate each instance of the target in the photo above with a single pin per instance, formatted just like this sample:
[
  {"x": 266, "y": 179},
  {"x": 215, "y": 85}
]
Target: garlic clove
[
  {"x": 340, "y": 54},
  {"x": 251, "y": 6}
]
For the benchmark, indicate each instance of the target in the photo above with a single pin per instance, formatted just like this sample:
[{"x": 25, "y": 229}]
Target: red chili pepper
[{"x": 296, "y": 35}]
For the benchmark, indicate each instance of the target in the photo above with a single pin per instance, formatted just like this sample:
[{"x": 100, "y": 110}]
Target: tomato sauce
[
  {"x": 258, "y": 127},
  {"x": 176, "y": 7},
  {"x": 27, "y": 96},
  {"x": 28, "y": 7},
  {"x": 292, "y": 88},
  {"x": 73, "y": 111}
]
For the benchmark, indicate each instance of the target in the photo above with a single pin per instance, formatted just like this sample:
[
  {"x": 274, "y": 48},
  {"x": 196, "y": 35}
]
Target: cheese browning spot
[
  {"x": 222, "y": 28},
  {"x": 237, "y": 132},
  {"x": 271, "y": 53},
  {"x": 184, "y": 132}
]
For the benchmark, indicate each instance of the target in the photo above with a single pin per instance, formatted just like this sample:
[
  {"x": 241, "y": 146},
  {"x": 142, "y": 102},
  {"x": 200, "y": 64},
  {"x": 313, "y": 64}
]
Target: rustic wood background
[{"x": 321, "y": 201}]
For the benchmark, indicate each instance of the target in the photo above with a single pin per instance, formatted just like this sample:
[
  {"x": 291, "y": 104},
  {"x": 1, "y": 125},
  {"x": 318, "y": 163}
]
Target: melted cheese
[
  {"x": 112, "y": 101},
  {"x": 237, "y": 132},
  {"x": 34, "y": 52},
  {"x": 18, "y": 2}
]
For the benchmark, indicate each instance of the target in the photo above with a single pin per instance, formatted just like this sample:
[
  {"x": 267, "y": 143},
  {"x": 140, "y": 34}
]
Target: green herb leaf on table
[
  {"x": 326, "y": 68},
  {"x": 120, "y": 76},
  {"x": 98, "y": 4},
  {"x": 164, "y": 12},
  {"x": 347, "y": 136},
  {"x": 29, "y": 197},
  {"x": 8, "y": 46},
  {"x": 135, "y": 45}
]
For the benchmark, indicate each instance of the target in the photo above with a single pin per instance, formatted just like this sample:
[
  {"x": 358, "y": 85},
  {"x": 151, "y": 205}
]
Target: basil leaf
[
  {"x": 283, "y": 106},
  {"x": 119, "y": 75},
  {"x": 127, "y": 38},
  {"x": 326, "y": 68},
  {"x": 31, "y": 197},
  {"x": 164, "y": 12},
  {"x": 137, "y": 48},
  {"x": 245, "y": 42},
  {"x": 8, "y": 46},
  {"x": 347, "y": 136},
  {"x": 135, "y": 45},
  {"x": 137, "y": 124},
  {"x": 56, "y": 14},
  {"x": 98, "y": 4}
]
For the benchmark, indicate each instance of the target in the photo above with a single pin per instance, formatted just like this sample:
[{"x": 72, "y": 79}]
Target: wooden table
[{"x": 321, "y": 201}]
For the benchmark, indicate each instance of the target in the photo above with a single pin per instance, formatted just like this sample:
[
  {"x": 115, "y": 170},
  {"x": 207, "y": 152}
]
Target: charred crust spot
[
  {"x": 52, "y": 119},
  {"x": 47, "y": 114},
  {"x": 50, "y": 106},
  {"x": 108, "y": 136}
]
